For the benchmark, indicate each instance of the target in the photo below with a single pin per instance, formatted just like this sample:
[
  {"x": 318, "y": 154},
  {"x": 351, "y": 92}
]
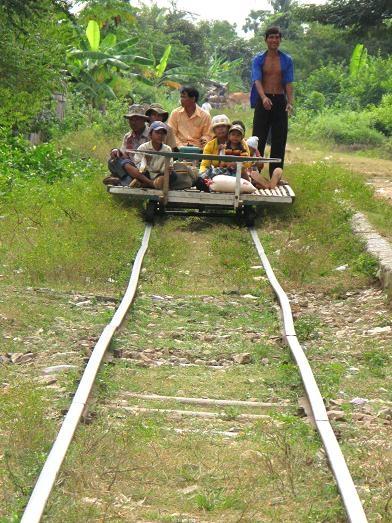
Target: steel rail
[
  {"x": 345, "y": 483},
  {"x": 43, "y": 487}
]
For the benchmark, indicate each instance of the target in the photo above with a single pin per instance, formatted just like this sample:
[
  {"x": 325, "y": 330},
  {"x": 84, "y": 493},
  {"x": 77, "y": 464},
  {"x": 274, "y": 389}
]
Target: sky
[{"x": 234, "y": 11}]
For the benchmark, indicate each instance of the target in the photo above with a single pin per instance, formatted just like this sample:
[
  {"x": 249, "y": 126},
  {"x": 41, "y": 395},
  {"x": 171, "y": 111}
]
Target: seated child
[
  {"x": 235, "y": 146},
  {"x": 153, "y": 166},
  {"x": 259, "y": 181}
]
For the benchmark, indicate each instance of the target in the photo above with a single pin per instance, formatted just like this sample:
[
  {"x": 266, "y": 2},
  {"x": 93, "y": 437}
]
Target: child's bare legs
[
  {"x": 158, "y": 182},
  {"x": 259, "y": 181},
  {"x": 135, "y": 174},
  {"x": 276, "y": 177},
  {"x": 245, "y": 176}
]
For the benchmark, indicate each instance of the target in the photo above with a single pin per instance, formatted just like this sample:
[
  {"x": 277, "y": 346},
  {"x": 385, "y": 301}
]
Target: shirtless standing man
[{"x": 272, "y": 96}]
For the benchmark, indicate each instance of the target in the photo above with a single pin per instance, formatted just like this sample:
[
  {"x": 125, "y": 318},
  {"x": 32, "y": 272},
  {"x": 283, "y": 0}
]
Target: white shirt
[{"x": 154, "y": 164}]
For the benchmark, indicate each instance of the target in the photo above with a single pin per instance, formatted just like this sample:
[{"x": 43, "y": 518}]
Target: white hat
[
  {"x": 253, "y": 141},
  {"x": 220, "y": 119}
]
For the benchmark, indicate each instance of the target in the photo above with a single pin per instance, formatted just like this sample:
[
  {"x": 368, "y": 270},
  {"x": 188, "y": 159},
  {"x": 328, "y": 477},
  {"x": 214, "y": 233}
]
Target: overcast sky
[{"x": 234, "y": 11}]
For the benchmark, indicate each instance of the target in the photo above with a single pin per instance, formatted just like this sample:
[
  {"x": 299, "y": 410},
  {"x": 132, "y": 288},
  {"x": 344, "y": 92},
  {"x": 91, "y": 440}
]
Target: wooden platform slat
[
  {"x": 193, "y": 196},
  {"x": 290, "y": 191}
]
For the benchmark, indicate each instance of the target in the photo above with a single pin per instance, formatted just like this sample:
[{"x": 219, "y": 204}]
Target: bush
[
  {"x": 314, "y": 102},
  {"x": 381, "y": 116},
  {"x": 347, "y": 128},
  {"x": 22, "y": 163}
]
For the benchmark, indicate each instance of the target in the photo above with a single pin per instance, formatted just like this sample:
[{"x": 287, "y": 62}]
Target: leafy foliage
[
  {"x": 21, "y": 163},
  {"x": 31, "y": 60},
  {"x": 96, "y": 67},
  {"x": 359, "y": 14},
  {"x": 358, "y": 60}
]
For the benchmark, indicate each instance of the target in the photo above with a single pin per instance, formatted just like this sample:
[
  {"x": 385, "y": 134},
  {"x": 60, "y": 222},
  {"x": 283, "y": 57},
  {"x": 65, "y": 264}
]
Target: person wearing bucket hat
[
  {"x": 120, "y": 163},
  {"x": 229, "y": 140},
  {"x": 156, "y": 112},
  {"x": 138, "y": 121},
  {"x": 220, "y": 125}
]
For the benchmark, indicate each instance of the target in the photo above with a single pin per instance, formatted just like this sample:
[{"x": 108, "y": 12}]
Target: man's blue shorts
[{"x": 116, "y": 167}]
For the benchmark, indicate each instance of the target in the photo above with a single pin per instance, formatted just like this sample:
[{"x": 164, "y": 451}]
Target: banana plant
[
  {"x": 358, "y": 60},
  {"x": 171, "y": 77},
  {"x": 224, "y": 72},
  {"x": 99, "y": 64}
]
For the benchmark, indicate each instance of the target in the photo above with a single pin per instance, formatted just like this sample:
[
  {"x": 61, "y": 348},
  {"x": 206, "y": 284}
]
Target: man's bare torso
[{"x": 272, "y": 75}]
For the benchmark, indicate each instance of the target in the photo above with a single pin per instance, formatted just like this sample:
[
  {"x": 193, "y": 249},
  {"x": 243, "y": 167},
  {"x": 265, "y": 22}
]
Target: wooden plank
[
  {"x": 267, "y": 199},
  {"x": 199, "y": 197},
  {"x": 283, "y": 191},
  {"x": 207, "y": 401},
  {"x": 166, "y": 176},
  {"x": 290, "y": 191}
]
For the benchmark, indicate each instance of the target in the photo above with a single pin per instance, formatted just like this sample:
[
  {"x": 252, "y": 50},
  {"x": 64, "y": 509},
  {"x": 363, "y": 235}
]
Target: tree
[
  {"x": 360, "y": 15},
  {"x": 254, "y": 20},
  {"x": 32, "y": 59},
  {"x": 99, "y": 65}
]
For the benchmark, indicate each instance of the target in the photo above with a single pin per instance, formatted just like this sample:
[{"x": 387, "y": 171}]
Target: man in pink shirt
[{"x": 191, "y": 125}]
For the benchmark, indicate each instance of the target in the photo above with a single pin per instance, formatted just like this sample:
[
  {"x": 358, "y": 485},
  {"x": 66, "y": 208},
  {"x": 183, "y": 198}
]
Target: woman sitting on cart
[{"x": 229, "y": 140}]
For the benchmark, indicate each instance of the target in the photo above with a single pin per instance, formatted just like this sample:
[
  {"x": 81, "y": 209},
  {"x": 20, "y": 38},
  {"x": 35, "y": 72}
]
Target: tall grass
[{"x": 314, "y": 237}]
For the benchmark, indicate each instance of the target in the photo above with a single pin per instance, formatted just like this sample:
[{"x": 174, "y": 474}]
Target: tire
[
  {"x": 249, "y": 216},
  {"x": 149, "y": 214}
]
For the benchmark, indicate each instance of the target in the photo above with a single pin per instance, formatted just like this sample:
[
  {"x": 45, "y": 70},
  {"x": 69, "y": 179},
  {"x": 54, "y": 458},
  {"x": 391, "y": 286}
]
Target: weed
[
  {"x": 231, "y": 413},
  {"x": 306, "y": 327},
  {"x": 376, "y": 361},
  {"x": 366, "y": 264}
]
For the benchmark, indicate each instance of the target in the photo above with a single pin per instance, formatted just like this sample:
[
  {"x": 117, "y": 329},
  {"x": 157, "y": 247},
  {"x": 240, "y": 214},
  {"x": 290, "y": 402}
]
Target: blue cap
[{"x": 156, "y": 126}]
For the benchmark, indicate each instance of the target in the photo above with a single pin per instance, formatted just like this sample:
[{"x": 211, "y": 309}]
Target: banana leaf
[
  {"x": 358, "y": 60},
  {"x": 93, "y": 35},
  {"x": 161, "y": 67},
  {"x": 109, "y": 41},
  {"x": 124, "y": 44}
]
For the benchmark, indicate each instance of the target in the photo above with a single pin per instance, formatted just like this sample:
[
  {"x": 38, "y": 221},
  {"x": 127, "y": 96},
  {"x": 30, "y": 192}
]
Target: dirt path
[{"x": 377, "y": 171}]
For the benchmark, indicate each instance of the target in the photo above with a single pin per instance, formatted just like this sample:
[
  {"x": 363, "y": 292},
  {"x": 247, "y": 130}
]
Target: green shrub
[
  {"x": 347, "y": 128},
  {"x": 314, "y": 102},
  {"x": 22, "y": 163},
  {"x": 381, "y": 116}
]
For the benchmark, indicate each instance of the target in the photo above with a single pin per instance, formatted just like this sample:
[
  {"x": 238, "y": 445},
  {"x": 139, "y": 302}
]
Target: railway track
[{"x": 47, "y": 478}]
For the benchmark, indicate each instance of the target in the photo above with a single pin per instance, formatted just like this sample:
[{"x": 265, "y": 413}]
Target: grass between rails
[{"x": 162, "y": 469}]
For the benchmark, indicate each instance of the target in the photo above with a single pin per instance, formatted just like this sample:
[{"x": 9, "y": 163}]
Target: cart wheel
[
  {"x": 249, "y": 216},
  {"x": 150, "y": 212},
  {"x": 239, "y": 217}
]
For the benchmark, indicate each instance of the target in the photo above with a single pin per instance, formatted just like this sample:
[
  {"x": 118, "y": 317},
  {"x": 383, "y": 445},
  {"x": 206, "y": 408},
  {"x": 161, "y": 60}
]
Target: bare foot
[
  {"x": 276, "y": 177},
  {"x": 259, "y": 181}
]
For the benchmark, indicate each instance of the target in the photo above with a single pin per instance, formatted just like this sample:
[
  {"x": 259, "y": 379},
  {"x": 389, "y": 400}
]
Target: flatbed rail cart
[{"x": 193, "y": 202}]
